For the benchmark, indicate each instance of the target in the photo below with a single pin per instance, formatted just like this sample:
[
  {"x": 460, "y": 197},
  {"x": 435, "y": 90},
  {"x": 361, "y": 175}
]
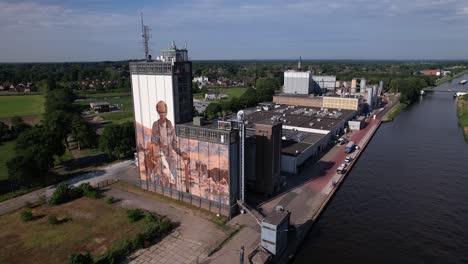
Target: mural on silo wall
[{"x": 166, "y": 160}]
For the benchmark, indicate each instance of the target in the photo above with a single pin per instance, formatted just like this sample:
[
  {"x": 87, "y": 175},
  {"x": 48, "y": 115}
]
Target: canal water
[{"x": 406, "y": 199}]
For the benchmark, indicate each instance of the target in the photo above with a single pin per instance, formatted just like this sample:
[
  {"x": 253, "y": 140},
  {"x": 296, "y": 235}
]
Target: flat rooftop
[{"x": 300, "y": 116}]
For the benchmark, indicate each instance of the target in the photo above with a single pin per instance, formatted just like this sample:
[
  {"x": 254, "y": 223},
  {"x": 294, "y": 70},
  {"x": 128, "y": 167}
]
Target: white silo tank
[
  {"x": 363, "y": 85},
  {"x": 369, "y": 98}
]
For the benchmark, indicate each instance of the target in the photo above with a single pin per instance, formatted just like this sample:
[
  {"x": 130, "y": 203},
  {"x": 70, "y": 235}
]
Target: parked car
[
  {"x": 342, "y": 141},
  {"x": 348, "y": 159},
  {"x": 342, "y": 168}
]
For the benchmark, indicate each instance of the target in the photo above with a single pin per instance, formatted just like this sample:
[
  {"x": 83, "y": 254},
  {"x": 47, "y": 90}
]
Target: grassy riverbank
[
  {"x": 449, "y": 78},
  {"x": 394, "y": 112},
  {"x": 462, "y": 110}
]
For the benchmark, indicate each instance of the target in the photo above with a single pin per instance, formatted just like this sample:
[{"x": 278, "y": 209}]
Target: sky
[{"x": 95, "y": 30}]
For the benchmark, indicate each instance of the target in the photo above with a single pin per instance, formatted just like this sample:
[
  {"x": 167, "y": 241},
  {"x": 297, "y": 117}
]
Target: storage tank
[
  {"x": 369, "y": 98},
  {"x": 363, "y": 85}
]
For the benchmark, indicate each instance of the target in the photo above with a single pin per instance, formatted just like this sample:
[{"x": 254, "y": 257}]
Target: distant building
[
  {"x": 325, "y": 83},
  {"x": 318, "y": 101},
  {"x": 436, "y": 72},
  {"x": 200, "y": 79},
  {"x": 100, "y": 107},
  {"x": 298, "y": 82},
  {"x": 212, "y": 96}
]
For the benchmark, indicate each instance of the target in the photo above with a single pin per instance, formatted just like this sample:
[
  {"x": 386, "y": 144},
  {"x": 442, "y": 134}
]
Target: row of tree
[
  {"x": 263, "y": 92},
  {"x": 37, "y": 147}
]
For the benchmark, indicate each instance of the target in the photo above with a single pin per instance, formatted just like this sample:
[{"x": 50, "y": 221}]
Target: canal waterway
[{"x": 406, "y": 199}]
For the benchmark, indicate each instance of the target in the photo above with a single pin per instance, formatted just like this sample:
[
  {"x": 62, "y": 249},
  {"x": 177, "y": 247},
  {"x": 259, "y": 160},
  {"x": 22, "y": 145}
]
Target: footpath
[
  {"x": 113, "y": 171},
  {"x": 305, "y": 202}
]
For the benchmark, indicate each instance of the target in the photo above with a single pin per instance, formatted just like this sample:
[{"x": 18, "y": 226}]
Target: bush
[
  {"x": 85, "y": 187},
  {"x": 93, "y": 194},
  {"x": 52, "y": 219},
  {"x": 110, "y": 200},
  {"x": 150, "y": 218},
  {"x": 134, "y": 215},
  {"x": 80, "y": 258},
  {"x": 60, "y": 195},
  {"x": 65, "y": 193},
  {"x": 26, "y": 216}
]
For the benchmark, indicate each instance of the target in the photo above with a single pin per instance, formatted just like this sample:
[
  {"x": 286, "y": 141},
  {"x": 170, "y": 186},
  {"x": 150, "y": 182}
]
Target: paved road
[{"x": 125, "y": 170}]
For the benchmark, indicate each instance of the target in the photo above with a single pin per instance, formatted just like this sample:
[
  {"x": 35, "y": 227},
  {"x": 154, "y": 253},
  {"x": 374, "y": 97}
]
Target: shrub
[
  {"x": 52, "y": 219},
  {"x": 134, "y": 215},
  {"x": 60, "y": 195},
  {"x": 80, "y": 258},
  {"x": 88, "y": 191},
  {"x": 91, "y": 194},
  {"x": 65, "y": 193},
  {"x": 110, "y": 200},
  {"x": 26, "y": 216},
  {"x": 84, "y": 187},
  {"x": 150, "y": 218},
  {"x": 164, "y": 226}
]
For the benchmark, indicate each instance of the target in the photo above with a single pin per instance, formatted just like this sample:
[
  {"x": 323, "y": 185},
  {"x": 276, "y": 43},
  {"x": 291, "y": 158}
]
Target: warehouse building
[
  {"x": 306, "y": 133},
  {"x": 332, "y": 102}
]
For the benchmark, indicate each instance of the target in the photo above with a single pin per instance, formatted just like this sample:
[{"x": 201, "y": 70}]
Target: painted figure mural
[
  {"x": 187, "y": 165},
  {"x": 164, "y": 149}
]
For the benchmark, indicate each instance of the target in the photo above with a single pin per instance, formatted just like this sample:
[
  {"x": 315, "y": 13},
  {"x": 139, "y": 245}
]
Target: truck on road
[{"x": 349, "y": 147}]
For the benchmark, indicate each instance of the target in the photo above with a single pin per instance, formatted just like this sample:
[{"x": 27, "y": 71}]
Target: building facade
[{"x": 177, "y": 158}]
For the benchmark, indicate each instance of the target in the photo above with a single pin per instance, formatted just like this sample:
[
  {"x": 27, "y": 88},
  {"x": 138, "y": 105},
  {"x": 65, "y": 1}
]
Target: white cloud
[
  {"x": 33, "y": 16},
  {"x": 462, "y": 11}
]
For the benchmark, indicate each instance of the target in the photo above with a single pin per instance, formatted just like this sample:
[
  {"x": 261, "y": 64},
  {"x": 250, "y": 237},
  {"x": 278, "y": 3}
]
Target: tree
[
  {"x": 51, "y": 84},
  {"x": 249, "y": 98},
  {"x": 18, "y": 125},
  {"x": 58, "y": 123},
  {"x": 118, "y": 140},
  {"x": 266, "y": 87},
  {"x": 35, "y": 150},
  {"x": 83, "y": 134},
  {"x": 4, "y": 131},
  {"x": 195, "y": 87},
  {"x": 212, "y": 110}
]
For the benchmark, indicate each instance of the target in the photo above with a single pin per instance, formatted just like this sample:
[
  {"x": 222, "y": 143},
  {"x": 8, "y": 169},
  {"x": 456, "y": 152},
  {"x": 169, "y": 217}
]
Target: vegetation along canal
[{"x": 406, "y": 200}]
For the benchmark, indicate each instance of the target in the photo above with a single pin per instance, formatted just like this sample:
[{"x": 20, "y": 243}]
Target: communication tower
[{"x": 145, "y": 35}]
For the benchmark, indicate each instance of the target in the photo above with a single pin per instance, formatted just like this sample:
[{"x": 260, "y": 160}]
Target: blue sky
[{"x": 90, "y": 30}]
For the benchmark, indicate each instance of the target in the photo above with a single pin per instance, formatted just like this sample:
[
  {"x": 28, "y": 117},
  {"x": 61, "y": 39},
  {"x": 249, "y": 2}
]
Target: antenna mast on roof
[{"x": 146, "y": 36}]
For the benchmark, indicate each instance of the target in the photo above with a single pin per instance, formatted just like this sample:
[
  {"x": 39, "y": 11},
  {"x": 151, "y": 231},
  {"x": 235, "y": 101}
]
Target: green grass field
[
  {"x": 92, "y": 226},
  {"x": 231, "y": 92},
  {"x": 113, "y": 93},
  {"x": 21, "y": 105},
  {"x": 7, "y": 152},
  {"x": 118, "y": 117}
]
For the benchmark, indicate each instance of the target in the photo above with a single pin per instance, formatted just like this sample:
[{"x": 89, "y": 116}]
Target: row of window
[{"x": 204, "y": 134}]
